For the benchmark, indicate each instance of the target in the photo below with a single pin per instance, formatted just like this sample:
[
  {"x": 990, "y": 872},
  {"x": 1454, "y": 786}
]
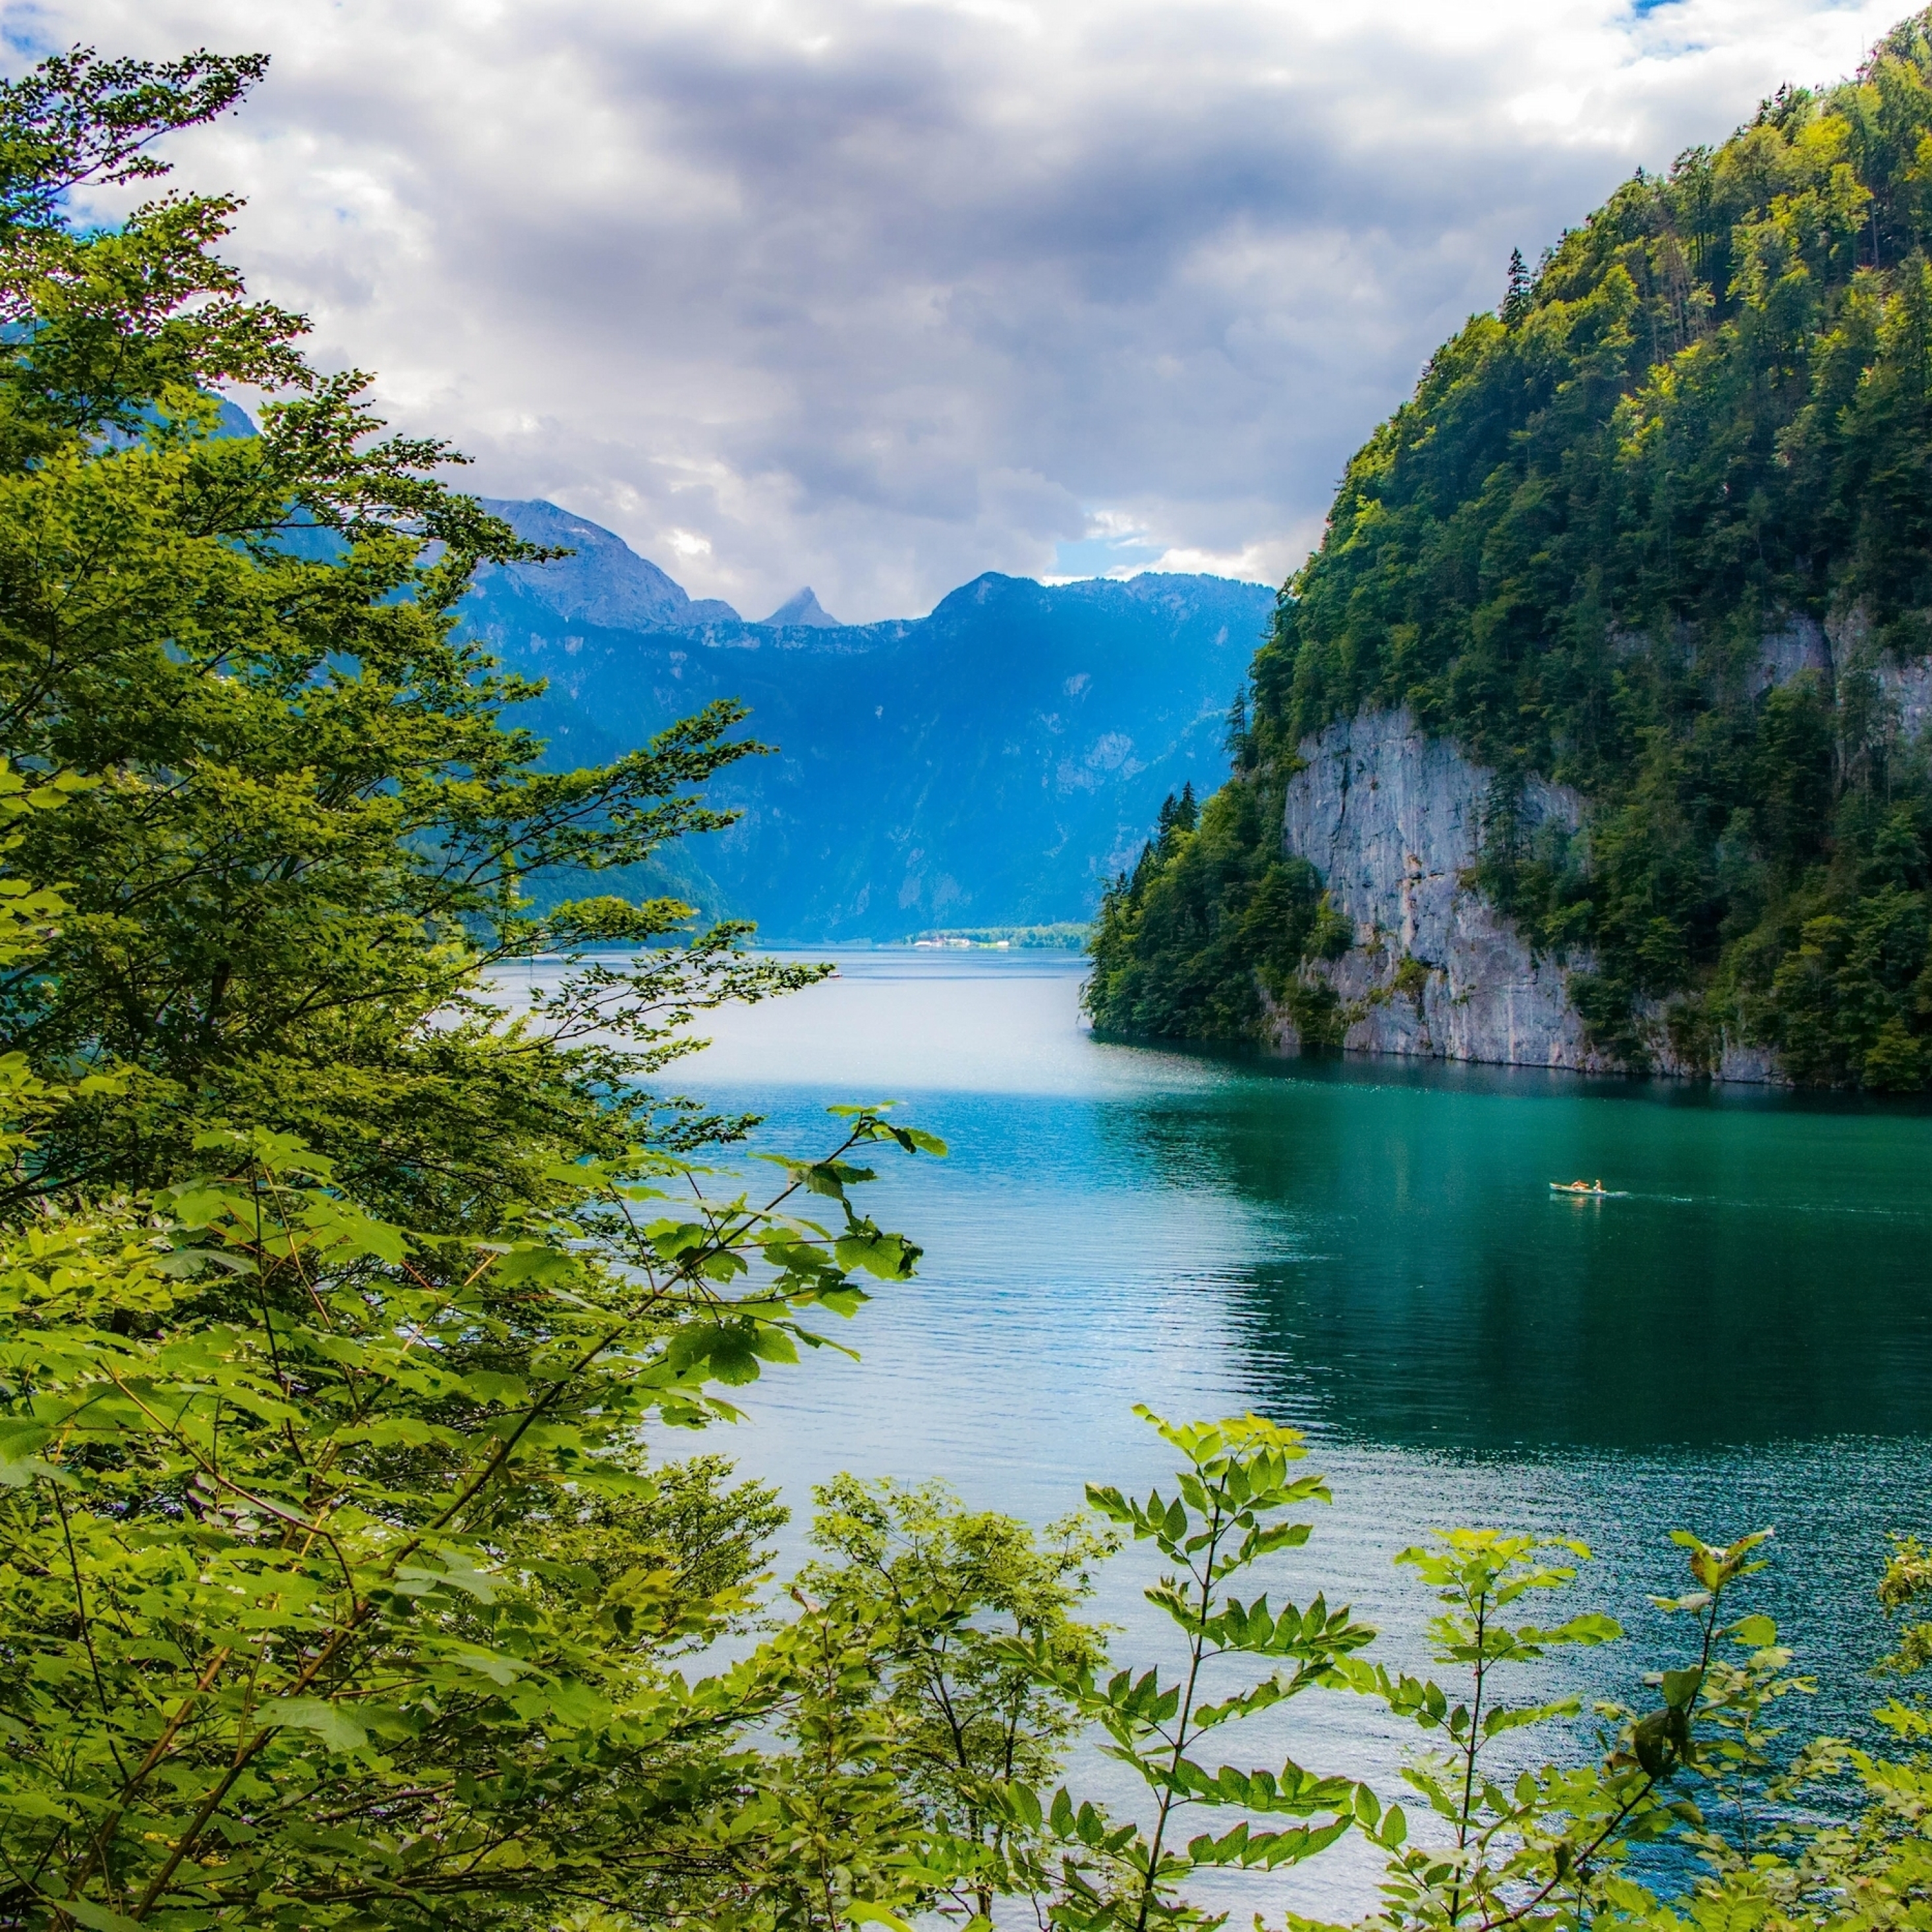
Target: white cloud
[
  {"x": 1268, "y": 560},
  {"x": 877, "y": 294}
]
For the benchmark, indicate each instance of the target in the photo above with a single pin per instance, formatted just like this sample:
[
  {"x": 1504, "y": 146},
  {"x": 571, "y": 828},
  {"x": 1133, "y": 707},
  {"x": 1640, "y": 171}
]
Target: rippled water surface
[{"x": 1742, "y": 1337}]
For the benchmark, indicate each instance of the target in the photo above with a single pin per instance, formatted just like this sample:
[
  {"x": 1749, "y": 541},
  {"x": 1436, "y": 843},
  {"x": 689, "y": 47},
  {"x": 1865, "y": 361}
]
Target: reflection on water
[
  {"x": 1762, "y": 1275},
  {"x": 1372, "y": 1251}
]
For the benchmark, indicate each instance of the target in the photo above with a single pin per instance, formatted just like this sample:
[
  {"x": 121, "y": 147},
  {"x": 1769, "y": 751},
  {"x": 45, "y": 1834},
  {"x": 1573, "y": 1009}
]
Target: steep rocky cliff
[{"x": 1392, "y": 821}]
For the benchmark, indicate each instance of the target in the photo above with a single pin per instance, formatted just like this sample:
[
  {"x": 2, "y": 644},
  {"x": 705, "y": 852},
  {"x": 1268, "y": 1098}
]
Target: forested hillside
[{"x": 1661, "y": 530}]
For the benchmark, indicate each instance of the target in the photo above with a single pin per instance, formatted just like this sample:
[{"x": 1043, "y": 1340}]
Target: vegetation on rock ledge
[{"x": 1705, "y": 423}]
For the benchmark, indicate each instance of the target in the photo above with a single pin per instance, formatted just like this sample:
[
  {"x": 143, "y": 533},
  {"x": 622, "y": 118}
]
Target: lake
[{"x": 1741, "y": 1338}]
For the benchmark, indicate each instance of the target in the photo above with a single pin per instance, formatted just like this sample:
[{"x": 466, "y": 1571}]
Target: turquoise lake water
[{"x": 1742, "y": 1338}]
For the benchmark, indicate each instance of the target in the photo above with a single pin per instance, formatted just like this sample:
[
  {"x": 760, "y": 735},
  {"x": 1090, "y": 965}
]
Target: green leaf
[
  {"x": 1590, "y": 1627},
  {"x": 1499, "y": 1718},
  {"x": 1059, "y": 1814},
  {"x": 334, "y": 1727},
  {"x": 1681, "y": 1686},
  {"x": 527, "y": 1262},
  {"x": 19, "y": 1474},
  {"x": 96, "y": 1917}
]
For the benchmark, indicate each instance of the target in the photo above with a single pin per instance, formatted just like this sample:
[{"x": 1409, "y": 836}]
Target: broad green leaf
[
  {"x": 334, "y": 1725},
  {"x": 96, "y": 1917}
]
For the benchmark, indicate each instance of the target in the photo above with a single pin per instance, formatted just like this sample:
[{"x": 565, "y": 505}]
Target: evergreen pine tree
[
  {"x": 1516, "y": 299},
  {"x": 1236, "y": 741}
]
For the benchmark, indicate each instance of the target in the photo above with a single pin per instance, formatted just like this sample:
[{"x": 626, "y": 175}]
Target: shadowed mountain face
[{"x": 990, "y": 764}]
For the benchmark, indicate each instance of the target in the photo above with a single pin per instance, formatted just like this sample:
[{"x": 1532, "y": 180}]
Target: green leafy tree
[
  {"x": 909, "y": 1717},
  {"x": 968, "y": 1619},
  {"x": 338, "y": 1582},
  {"x": 821, "y": 1834},
  {"x": 1509, "y": 1842},
  {"x": 1784, "y": 1861},
  {"x": 1477, "y": 1576},
  {"x": 1517, "y": 294},
  {"x": 1211, "y": 926},
  {"x": 337, "y": 1587},
  {"x": 299, "y": 849},
  {"x": 1234, "y": 1493},
  {"x": 1507, "y": 1839}
]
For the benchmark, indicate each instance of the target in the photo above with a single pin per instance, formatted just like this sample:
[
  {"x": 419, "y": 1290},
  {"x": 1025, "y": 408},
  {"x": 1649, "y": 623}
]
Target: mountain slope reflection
[{"x": 1764, "y": 1276}]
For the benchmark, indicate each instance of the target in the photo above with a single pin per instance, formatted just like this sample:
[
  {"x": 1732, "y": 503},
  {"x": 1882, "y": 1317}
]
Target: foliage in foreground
[
  {"x": 1520, "y": 1808},
  {"x": 1496, "y": 1834},
  {"x": 294, "y": 853},
  {"x": 336, "y": 1588},
  {"x": 1707, "y": 420},
  {"x": 339, "y": 1587}
]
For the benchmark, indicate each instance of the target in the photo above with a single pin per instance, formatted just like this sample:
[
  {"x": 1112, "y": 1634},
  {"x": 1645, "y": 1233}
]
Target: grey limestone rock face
[
  {"x": 1799, "y": 644},
  {"x": 1392, "y": 820},
  {"x": 1905, "y": 683},
  {"x": 1843, "y": 645}
]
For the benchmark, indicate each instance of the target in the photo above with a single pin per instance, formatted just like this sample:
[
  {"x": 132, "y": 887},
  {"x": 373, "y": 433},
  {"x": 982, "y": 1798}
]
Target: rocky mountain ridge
[
  {"x": 992, "y": 762},
  {"x": 802, "y": 607},
  {"x": 603, "y": 583}
]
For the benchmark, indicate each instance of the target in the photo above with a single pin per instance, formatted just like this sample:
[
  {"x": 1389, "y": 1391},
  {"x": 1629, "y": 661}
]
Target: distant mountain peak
[
  {"x": 801, "y": 607},
  {"x": 603, "y": 581}
]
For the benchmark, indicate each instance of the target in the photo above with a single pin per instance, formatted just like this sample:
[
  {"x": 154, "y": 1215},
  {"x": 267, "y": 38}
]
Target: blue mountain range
[{"x": 992, "y": 764}]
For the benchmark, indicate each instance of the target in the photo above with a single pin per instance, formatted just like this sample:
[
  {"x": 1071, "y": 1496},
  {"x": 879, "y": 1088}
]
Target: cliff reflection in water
[{"x": 1763, "y": 1274}]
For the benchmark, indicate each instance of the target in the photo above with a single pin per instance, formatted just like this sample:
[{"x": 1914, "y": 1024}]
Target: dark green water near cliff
[{"x": 1742, "y": 1338}]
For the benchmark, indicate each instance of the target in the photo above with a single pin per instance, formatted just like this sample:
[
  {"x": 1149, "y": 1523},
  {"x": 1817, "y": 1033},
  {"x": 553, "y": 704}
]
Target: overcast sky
[{"x": 876, "y": 295}]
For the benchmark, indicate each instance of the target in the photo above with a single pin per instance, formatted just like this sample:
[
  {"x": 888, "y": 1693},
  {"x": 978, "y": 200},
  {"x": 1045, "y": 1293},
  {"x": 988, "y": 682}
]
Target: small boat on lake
[{"x": 1595, "y": 1190}]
